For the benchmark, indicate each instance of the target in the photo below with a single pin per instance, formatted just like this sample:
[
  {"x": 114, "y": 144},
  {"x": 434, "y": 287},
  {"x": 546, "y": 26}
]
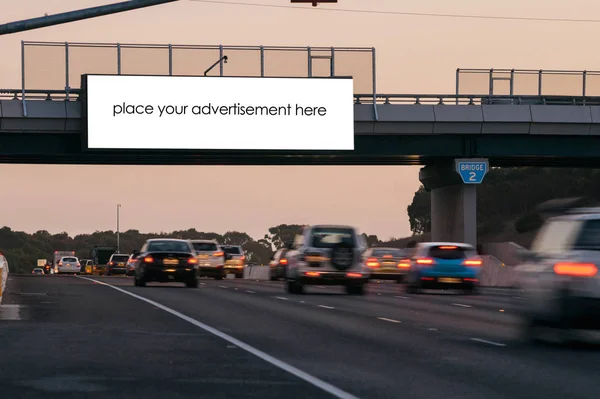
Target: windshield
[
  {"x": 323, "y": 237},
  {"x": 205, "y": 246},
  {"x": 589, "y": 236},
  {"x": 556, "y": 236},
  {"x": 232, "y": 250},
  {"x": 120, "y": 258},
  {"x": 395, "y": 253},
  {"x": 451, "y": 252},
  {"x": 168, "y": 246},
  {"x": 69, "y": 259}
]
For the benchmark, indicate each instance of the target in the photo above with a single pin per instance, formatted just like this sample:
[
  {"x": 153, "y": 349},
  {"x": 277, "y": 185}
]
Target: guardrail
[
  {"x": 464, "y": 99},
  {"x": 408, "y": 99},
  {"x": 57, "y": 95},
  {"x": 3, "y": 279},
  {"x": 538, "y": 82}
]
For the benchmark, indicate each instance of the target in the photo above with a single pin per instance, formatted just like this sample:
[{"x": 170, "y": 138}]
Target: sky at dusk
[{"x": 415, "y": 54}]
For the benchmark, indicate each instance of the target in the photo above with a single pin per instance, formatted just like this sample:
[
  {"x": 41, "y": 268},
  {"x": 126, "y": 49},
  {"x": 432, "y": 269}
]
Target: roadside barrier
[
  {"x": 3, "y": 279},
  {"x": 256, "y": 272}
]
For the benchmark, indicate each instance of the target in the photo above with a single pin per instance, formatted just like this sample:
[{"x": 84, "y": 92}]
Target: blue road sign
[{"x": 472, "y": 171}]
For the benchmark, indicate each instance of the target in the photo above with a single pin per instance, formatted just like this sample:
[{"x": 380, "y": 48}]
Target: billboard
[{"x": 125, "y": 112}]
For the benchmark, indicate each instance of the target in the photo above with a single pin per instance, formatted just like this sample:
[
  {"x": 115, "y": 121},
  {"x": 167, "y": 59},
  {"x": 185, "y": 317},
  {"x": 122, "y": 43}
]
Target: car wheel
[
  {"x": 355, "y": 289},
  {"x": 530, "y": 329},
  {"x": 412, "y": 289},
  {"x": 192, "y": 283},
  {"x": 139, "y": 282},
  {"x": 294, "y": 288},
  {"x": 473, "y": 290}
]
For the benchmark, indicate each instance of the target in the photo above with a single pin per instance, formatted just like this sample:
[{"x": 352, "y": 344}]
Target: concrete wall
[
  {"x": 495, "y": 273},
  {"x": 479, "y": 119},
  {"x": 42, "y": 115},
  {"x": 505, "y": 251}
]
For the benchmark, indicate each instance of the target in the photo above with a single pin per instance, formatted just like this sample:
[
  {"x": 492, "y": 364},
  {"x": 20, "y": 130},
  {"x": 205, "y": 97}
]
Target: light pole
[{"x": 118, "y": 246}]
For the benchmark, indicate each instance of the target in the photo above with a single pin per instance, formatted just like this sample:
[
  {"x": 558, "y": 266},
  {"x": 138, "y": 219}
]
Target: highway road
[{"x": 76, "y": 337}]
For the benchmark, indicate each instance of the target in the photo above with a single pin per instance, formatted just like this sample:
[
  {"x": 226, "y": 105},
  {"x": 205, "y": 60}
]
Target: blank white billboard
[{"x": 219, "y": 113}]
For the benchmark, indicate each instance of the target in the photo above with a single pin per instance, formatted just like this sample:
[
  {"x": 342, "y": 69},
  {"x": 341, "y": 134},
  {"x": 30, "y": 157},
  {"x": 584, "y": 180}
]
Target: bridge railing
[
  {"x": 59, "y": 65},
  {"x": 523, "y": 82},
  {"x": 469, "y": 99},
  {"x": 379, "y": 99}
]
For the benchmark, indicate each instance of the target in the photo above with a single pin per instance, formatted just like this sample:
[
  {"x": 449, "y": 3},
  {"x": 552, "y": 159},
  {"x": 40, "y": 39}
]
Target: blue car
[{"x": 444, "y": 265}]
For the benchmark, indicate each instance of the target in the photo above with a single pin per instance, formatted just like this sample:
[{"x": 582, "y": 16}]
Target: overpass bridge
[
  {"x": 402, "y": 129},
  {"x": 503, "y": 127}
]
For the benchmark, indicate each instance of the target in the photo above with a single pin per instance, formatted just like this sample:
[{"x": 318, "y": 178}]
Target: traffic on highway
[{"x": 417, "y": 322}]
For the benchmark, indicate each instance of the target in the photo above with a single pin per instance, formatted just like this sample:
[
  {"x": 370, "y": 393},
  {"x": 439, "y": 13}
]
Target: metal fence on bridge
[
  {"x": 59, "y": 66},
  {"x": 527, "y": 82}
]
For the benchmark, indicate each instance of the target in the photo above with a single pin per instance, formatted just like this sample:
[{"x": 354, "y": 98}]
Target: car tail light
[
  {"x": 192, "y": 261},
  {"x": 387, "y": 256},
  {"x": 283, "y": 261},
  {"x": 78, "y": 264},
  {"x": 243, "y": 257},
  {"x": 372, "y": 262},
  {"x": 404, "y": 264},
  {"x": 218, "y": 254},
  {"x": 576, "y": 269},
  {"x": 473, "y": 262},
  {"x": 312, "y": 274},
  {"x": 111, "y": 263},
  {"x": 354, "y": 274},
  {"x": 425, "y": 261},
  {"x": 148, "y": 259},
  {"x": 60, "y": 263},
  {"x": 448, "y": 247}
]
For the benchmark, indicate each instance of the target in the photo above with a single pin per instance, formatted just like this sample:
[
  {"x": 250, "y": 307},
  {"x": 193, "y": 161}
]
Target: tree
[
  {"x": 419, "y": 212},
  {"x": 236, "y": 238},
  {"x": 507, "y": 198},
  {"x": 258, "y": 251},
  {"x": 280, "y": 235},
  {"x": 371, "y": 240}
]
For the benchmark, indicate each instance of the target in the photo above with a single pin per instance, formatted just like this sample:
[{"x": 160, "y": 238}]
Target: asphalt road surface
[{"x": 71, "y": 337}]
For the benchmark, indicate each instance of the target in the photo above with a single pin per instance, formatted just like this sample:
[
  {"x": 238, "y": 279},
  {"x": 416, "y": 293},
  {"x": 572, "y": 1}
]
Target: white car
[
  {"x": 211, "y": 258},
  {"x": 559, "y": 275},
  {"x": 68, "y": 264},
  {"x": 327, "y": 255}
]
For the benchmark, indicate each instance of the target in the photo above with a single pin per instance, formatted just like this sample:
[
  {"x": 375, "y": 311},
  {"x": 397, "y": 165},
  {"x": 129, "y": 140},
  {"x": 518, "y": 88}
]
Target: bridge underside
[{"x": 516, "y": 150}]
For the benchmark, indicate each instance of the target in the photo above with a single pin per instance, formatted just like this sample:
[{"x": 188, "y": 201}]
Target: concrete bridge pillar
[{"x": 453, "y": 203}]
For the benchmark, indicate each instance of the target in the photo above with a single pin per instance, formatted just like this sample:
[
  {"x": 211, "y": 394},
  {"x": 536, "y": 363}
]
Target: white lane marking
[
  {"x": 250, "y": 292},
  {"x": 462, "y": 305},
  {"x": 338, "y": 393},
  {"x": 518, "y": 297},
  {"x": 222, "y": 286},
  {"x": 486, "y": 342},
  {"x": 302, "y": 302},
  {"x": 326, "y": 307},
  {"x": 401, "y": 297},
  {"x": 281, "y": 297},
  {"x": 202, "y": 283},
  {"x": 390, "y": 320},
  {"x": 235, "y": 289}
]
